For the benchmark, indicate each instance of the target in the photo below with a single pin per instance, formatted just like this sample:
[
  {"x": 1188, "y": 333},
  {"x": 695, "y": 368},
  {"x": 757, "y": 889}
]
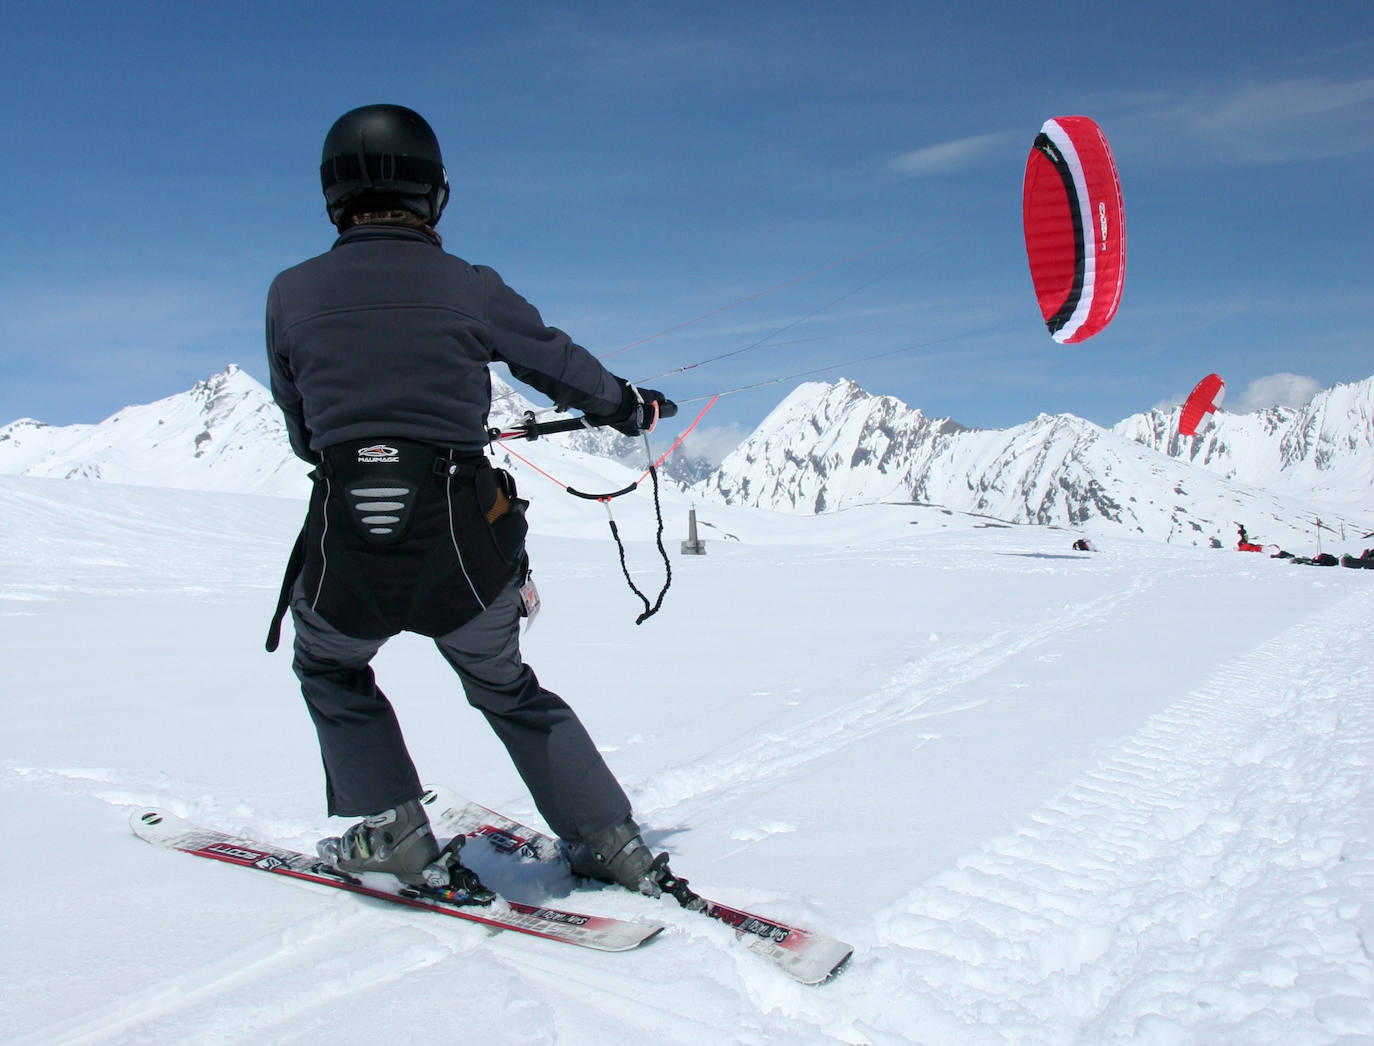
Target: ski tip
[
  {"x": 151, "y": 824},
  {"x": 828, "y": 959},
  {"x": 649, "y": 932},
  {"x": 815, "y": 974},
  {"x": 837, "y": 969}
]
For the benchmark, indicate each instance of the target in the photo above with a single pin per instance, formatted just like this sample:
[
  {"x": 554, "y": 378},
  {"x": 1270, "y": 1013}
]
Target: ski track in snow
[
  {"x": 1187, "y": 890},
  {"x": 925, "y": 690},
  {"x": 267, "y": 985},
  {"x": 295, "y": 985}
]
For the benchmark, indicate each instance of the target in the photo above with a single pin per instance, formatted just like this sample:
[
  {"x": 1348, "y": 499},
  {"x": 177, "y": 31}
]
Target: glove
[{"x": 637, "y": 411}]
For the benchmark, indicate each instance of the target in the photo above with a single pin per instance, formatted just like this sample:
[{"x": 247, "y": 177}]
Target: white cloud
[
  {"x": 1274, "y": 122},
  {"x": 1276, "y": 390},
  {"x": 713, "y": 442},
  {"x": 1290, "y": 120},
  {"x": 1282, "y": 101},
  {"x": 947, "y": 157}
]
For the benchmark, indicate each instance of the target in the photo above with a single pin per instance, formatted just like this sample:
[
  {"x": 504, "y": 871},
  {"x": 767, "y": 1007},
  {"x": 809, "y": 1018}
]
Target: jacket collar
[{"x": 380, "y": 231}]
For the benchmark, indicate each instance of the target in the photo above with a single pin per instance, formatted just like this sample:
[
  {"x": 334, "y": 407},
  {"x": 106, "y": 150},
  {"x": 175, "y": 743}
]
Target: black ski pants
[{"x": 367, "y": 767}]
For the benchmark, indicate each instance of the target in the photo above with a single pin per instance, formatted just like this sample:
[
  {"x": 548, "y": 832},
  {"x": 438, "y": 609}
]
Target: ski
[
  {"x": 808, "y": 957},
  {"x": 588, "y": 931},
  {"x": 450, "y": 814}
]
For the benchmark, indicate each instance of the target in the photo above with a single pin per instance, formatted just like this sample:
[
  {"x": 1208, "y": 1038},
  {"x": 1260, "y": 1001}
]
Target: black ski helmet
[{"x": 383, "y": 156}]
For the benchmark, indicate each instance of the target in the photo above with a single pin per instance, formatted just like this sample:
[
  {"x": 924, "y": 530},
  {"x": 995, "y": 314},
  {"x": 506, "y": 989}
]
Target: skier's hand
[
  {"x": 646, "y": 410},
  {"x": 639, "y": 411}
]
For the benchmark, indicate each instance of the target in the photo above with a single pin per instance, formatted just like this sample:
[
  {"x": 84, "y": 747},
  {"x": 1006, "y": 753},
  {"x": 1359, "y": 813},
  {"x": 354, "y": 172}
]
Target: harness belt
[{"x": 404, "y": 536}]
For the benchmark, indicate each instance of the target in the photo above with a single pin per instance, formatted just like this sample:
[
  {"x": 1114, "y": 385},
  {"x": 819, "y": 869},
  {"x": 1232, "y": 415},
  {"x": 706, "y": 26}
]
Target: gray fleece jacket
[{"x": 387, "y": 334}]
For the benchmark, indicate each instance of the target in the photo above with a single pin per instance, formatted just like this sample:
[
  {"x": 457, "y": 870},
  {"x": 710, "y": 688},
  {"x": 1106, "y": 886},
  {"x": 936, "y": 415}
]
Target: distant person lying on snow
[{"x": 1322, "y": 559}]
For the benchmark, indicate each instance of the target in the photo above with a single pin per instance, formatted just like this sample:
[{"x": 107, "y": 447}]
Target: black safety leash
[
  {"x": 658, "y": 539},
  {"x": 605, "y": 499}
]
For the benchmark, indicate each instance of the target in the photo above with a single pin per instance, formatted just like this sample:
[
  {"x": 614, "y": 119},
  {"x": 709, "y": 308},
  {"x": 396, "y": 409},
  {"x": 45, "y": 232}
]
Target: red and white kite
[
  {"x": 1075, "y": 227},
  {"x": 1203, "y": 400}
]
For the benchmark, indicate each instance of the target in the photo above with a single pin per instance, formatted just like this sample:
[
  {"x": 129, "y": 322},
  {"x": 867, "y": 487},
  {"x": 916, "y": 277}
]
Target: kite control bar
[{"x": 531, "y": 429}]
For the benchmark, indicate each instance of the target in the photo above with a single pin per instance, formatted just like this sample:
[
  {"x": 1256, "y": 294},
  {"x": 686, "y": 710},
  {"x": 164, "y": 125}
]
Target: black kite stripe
[{"x": 1051, "y": 152}]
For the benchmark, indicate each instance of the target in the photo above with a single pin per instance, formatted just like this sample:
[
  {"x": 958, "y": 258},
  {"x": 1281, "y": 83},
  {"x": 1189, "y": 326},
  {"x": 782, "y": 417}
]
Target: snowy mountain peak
[
  {"x": 831, "y": 447},
  {"x": 228, "y": 384},
  {"x": 224, "y": 433},
  {"x": 827, "y": 447}
]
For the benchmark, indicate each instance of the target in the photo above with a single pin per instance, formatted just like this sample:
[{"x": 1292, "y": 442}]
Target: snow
[{"x": 1050, "y": 797}]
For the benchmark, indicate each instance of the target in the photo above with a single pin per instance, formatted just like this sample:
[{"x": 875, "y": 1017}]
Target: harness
[{"x": 404, "y": 536}]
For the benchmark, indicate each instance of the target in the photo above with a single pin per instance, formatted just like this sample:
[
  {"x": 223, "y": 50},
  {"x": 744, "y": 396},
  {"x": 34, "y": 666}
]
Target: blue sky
[{"x": 834, "y": 187}]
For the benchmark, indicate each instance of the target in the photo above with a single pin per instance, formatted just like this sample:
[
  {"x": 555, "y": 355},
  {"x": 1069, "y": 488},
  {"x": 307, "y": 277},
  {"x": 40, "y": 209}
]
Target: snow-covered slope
[
  {"x": 828, "y": 447},
  {"x": 223, "y": 434},
  {"x": 1053, "y": 799}
]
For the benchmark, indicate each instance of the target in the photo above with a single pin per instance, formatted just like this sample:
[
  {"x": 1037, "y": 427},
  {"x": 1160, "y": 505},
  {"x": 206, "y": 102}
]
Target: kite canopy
[
  {"x": 1075, "y": 227},
  {"x": 1203, "y": 400}
]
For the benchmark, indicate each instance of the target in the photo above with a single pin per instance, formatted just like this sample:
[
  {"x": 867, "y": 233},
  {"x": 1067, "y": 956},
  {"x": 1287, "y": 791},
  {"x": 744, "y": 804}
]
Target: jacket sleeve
[
  {"x": 284, "y": 390},
  {"x": 544, "y": 357}
]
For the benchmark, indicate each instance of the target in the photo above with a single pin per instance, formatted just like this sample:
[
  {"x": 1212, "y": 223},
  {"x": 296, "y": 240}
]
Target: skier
[{"x": 378, "y": 351}]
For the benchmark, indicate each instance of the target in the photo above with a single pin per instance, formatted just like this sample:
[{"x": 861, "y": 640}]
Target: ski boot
[
  {"x": 397, "y": 841},
  {"x": 618, "y": 855}
]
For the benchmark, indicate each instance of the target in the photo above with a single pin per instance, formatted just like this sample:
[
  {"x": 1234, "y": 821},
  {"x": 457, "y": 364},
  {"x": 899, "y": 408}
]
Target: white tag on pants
[{"x": 529, "y": 599}]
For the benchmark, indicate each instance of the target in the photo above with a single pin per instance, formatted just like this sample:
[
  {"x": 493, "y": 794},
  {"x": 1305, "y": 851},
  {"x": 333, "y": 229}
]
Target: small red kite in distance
[{"x": 1205, "y": 398}]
